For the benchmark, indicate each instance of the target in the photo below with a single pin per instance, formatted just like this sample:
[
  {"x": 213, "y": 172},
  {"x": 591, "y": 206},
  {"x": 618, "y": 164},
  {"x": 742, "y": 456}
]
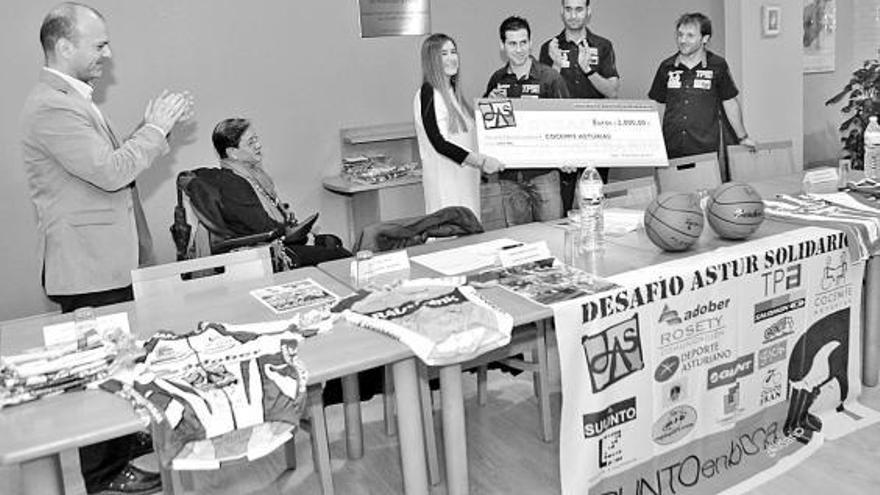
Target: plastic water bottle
[
  {"x": 591, "y": 201},
  {"x": 872, "y": 149}
]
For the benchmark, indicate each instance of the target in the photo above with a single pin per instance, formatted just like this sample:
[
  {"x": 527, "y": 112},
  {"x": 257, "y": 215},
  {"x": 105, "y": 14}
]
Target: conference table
[{"x": 36, "y": 435}]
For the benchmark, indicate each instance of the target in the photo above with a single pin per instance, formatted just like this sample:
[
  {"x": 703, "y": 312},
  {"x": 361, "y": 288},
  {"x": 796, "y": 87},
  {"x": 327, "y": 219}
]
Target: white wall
[
  {"x": 768, "y": 71},
  {"x": 298, "y": 69}
]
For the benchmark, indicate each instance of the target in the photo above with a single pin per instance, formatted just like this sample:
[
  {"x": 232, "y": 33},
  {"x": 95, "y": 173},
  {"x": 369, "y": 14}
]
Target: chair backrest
[
  {"x": 630, "y": 193},
  {"x": 770, "y": 159},
  {"x": 169, "y": 278},
  {"x": 690, "y": 173}
]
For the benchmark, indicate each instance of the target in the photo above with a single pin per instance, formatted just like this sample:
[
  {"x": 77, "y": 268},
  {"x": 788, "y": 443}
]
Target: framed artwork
[
  {"x": 820, "y": 31},
  {"x": 771, "y": 20}
]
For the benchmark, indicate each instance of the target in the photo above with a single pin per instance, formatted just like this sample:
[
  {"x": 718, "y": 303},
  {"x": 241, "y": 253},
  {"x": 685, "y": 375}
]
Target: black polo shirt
[
  {"x": 601, "y": 60},
  {"x": 693, "y": 97},
  {"x": 542, "y": 82}
]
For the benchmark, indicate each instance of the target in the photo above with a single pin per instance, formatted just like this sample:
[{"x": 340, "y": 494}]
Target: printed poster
[
  {"x": 700, "y": 375},
  {"x": 299, "y": 295}
]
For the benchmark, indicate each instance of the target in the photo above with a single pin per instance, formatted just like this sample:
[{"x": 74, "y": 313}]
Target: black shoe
[
  {"x": 131, "y": 481},
  {"x": 141, "y": 444}
]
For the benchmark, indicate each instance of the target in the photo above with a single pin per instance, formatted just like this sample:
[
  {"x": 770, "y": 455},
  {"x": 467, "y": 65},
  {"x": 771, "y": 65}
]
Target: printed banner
[{"x": 697, "y": 376}]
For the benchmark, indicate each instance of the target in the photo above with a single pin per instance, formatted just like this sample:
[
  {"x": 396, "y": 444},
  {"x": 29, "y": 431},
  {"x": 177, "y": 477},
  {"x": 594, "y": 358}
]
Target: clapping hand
[
  {"x": 168, "y": 109},
  {"x": 584, "y": 55},
  {"x": 556, "y": 54}
]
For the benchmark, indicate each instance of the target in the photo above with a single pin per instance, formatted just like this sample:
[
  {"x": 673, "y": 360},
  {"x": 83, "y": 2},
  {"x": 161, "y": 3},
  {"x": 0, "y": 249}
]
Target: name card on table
[
  {"x": 551, "y": 133},
  {"x": 380, "y": 269},
  {"x": 821, "y": 180},
  {"x": 525, "y": 253}
]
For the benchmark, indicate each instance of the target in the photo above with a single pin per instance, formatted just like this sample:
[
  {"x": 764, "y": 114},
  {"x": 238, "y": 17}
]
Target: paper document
[{"x": 465, "y": 259}]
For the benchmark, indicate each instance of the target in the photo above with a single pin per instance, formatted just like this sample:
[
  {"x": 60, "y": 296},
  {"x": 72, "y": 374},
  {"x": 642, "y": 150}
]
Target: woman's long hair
[{"x": 433, "y": 74}]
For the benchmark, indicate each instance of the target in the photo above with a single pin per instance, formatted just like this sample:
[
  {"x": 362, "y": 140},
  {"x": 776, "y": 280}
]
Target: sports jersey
[
  {"x": 223, "y": 392},
  {"x": 441, "y": 321}
]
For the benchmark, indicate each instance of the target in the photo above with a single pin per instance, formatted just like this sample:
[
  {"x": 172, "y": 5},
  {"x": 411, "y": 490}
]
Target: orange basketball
[
  {"x": 735, "y": 210},
  {"x": 674, "y": 221}
]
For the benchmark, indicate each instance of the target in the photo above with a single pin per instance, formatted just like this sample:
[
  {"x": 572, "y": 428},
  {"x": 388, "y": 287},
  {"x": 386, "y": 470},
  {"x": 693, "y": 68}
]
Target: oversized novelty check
[{"x": 526, "y": 133}]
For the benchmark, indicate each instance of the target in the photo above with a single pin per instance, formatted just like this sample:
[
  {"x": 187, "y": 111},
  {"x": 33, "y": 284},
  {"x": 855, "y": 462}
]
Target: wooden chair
[
  {"x": 770, "y": 159},
  {"x": 235, "y": 266},
  {"x": 690, "y": 173},
  {"x": 202, "y": 273},
  {"x": 630, "y": 193}
]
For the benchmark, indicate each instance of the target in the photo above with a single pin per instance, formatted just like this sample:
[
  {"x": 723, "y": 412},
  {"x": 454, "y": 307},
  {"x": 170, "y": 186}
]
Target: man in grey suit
[{"x": 92, "y": 230}]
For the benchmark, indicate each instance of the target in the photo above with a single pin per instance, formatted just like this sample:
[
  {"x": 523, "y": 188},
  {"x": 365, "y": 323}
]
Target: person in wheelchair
[{"x": 249, "y": 202}]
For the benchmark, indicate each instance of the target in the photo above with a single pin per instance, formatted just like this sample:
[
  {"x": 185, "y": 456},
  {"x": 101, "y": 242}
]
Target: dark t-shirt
[
  {"x": 693, "y": 97},
  {"x": 601, "y": 60}
]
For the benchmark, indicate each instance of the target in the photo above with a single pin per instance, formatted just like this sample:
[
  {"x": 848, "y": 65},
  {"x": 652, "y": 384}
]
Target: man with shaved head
[{"x": 91, "y": 227}]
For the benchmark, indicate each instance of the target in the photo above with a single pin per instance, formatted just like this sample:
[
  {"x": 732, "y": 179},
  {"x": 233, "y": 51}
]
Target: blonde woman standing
[{"x": 445, "y": 130}]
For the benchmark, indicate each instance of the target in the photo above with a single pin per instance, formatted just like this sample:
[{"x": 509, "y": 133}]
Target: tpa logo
[
  {"x": 614, "y": 353},
  {"x": 728, "y": 373}
]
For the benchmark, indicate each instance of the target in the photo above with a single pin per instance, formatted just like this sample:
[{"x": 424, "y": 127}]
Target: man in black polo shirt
[
  {"x": 586, "y": 63},
  {"x": 697, "y": 91},
  {"x": 527, "y": 194}
]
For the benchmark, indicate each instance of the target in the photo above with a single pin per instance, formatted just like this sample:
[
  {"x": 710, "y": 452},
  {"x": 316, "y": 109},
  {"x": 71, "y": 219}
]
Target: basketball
[
  {"x": 735, "y": 210},
  {"x": 674, "y": 221}
]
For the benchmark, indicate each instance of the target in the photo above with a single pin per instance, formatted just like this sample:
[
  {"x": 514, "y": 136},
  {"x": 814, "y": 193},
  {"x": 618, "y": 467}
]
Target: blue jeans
[{"x": 534, "y": 200}]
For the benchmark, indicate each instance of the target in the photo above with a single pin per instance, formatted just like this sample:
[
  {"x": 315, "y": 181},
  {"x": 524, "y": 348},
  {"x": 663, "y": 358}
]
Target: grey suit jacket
[{"x": 80, "y": 180}]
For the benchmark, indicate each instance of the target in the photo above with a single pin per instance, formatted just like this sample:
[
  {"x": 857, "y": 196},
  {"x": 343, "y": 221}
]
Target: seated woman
[{"x": 249, "y": 201}]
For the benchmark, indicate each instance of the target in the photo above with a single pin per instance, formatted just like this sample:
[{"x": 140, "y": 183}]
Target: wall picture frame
[{"x": 771, "y": 20}]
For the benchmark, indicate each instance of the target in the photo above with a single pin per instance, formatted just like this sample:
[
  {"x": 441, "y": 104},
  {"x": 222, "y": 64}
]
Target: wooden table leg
[
  {"x": 871, "y": 323},
  {"x": 42, "y": 476},
  {"x": 409, "y": 428},
  {"x": 454, "y": 435},
  {"x": 351, "y": 397}
]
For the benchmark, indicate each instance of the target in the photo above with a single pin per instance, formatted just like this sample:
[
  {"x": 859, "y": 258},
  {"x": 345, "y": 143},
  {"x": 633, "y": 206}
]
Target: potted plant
[{"x": 863, "y": 93}]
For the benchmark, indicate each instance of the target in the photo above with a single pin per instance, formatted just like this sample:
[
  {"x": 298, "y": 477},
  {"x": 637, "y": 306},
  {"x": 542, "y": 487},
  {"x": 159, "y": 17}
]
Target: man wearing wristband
[
  {"x": 587, "y": 64},
  {"x": 697, "y": 95}
]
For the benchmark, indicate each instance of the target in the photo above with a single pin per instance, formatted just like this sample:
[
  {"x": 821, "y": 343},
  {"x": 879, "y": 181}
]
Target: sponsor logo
[
  {"x": 836, "y": 292},
  {"x": 674, "y": 392},
  {"x": 772, "y": 354},
  {"x": 703, "y": 355},
  {"x": 671, "y": 316},
  {"x": 610, "y": 449},
  {"x": 834, "y": 272},
  {"x": 683, "y": 471},
  {"x": 666, "y": 369},
  {"x": 705, "y": 74},
  {"x": 730, "y": 400},
  {"x": 781, "y": 280},
  {"x": 777, "y": 306},
  {"x": 497, "y": 114},
  {"x": 613, "y": 416},
  {"x": 771, "y": 386},
  {"x": 780, "y": 329},
  {"x": 614, "y": 353},
  {"x": 673, "y": 79},
  {"x": 728, "y": 373},
  {"x": 674, "y": 425}
]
